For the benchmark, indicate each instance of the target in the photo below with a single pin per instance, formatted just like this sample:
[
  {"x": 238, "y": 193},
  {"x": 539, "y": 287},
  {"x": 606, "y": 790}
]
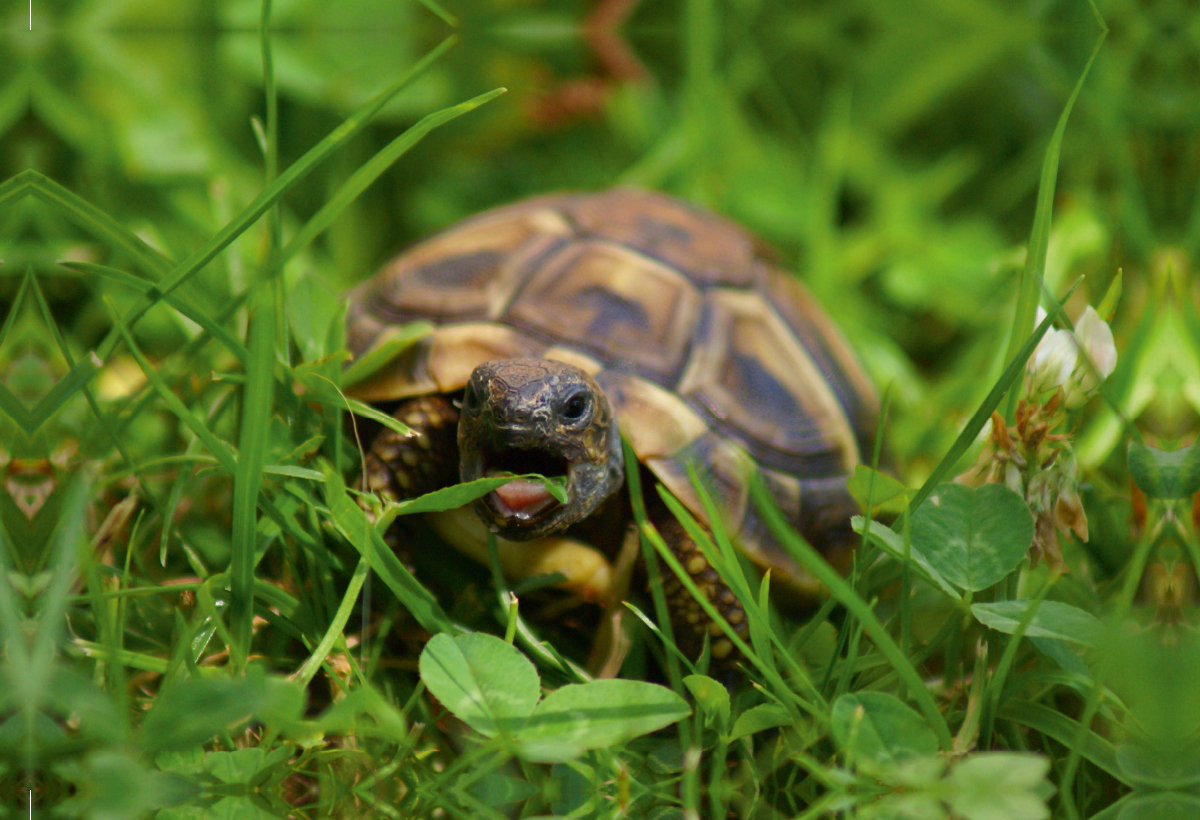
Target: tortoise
[{"x": 564, "y": 322}]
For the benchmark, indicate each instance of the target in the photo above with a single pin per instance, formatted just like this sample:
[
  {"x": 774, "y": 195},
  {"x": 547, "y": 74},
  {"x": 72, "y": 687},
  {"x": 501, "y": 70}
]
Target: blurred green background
[{"x": 889, "y": 151}]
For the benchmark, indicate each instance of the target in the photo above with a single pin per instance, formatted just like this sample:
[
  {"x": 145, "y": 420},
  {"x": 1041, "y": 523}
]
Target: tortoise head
[{"x": 538, "y": 416}]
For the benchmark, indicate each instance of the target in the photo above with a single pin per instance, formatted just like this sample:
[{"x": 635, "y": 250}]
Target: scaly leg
[
  {"x": 689, "y": 622},
  {"x": 400, "y": 466}
]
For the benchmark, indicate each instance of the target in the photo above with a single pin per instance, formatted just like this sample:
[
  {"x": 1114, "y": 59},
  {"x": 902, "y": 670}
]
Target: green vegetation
[{"x": 199, "y": 618}]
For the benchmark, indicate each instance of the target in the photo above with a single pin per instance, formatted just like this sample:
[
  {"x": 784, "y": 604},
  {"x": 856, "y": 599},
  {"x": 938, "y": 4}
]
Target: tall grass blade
[
  {"x": 352, "y": 522},
  {"x": 294, "y": 173},
  {"x": 89, "y": 395},
  {"x": 223, "y": 453},
  {"x": 64, "y": 389},
  {"x": 396, "y": 340},
  {"x": 80, "y": 373},
  {"x": 252, "y": 457},
  {"x": 995, "y": 684},
  {"x": 440, "y": 11},
  {"x": 371, "y": 170},
  {"x": 1039, "y": 239},
  {"x": 633, "y": 478},
  {"x": 178, "y": 301},
  {"x": 14, "y": 309},
  {"x": 12, "y": 407},
  {"x": 87, "y": 216},
  {"x": 762, "y": 636},
  {"x": 306, "y": 672},
  {"x": 1054, "y": 724}
]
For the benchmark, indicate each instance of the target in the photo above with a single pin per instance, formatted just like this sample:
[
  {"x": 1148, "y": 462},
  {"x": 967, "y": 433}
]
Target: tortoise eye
[{"x": 576, "y": 407}]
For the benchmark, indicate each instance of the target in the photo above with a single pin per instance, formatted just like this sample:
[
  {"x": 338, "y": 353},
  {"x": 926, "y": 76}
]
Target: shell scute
[
  {"x": 711, "y": 250},
  {"x": 404, "y": 376},
  {"x": 606, "y": 298},
  {"x": 456, "y": 350},
  {"x": 469, "y": 272},
  {"x": 828, "y": 348},
  {"x": 657, "y": 423},
  {"x": 756, "y": 380},
  {"x": 442, "y": 362}
]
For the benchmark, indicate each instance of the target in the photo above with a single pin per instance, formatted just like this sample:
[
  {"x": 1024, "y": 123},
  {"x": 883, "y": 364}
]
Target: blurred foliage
[{"x": 890, "y": 152}]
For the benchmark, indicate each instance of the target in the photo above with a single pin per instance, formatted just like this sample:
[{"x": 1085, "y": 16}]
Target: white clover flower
[
  {"x": 1052, "y": 362},
  {"x": 1013, "y": 480},
  {"x": 1075, "y": 361},
  {"x": 1098, "y": 361}
]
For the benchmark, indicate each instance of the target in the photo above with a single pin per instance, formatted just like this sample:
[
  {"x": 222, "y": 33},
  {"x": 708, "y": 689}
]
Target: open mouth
[{"x": 521, "y": 502}]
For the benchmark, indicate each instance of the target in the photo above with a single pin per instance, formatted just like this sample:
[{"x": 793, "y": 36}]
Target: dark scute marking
[
  {"x": 745, "y": 376},
  {"x": 811, "y": 463},
  {"x": 817, "y": 463},
  {"x": 470, "y": 270},
  {"x": 857, "y": 410},
  {"x": 792, "y": 301},
  {"x": 613, "y": 311}
]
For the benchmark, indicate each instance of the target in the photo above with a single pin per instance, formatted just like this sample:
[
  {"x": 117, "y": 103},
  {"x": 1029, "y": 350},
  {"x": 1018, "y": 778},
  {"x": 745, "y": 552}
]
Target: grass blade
[
  {"x": 810, "y": 560},
  {"x": 1052, "y": 723},
  {"x": 15, "y": 309},
  {"x": 362, "y": 535},
  {"x": 296, "y": 172},
  {"x": 995, "y": 685},
  {"x": 763, "y": 637},
  {"x": 306, "y": 672},
  {"x": 396, "y": 340},
  {"x": 440, "y": 11},
  {"x": 252, "y": 457},
  {"x": 63, "y": 389},
  {"x": 176, "y": 300},
  {"x": 1035, "y": 257},
  {"x": 12, "y": 407},
  {"x": 223, "y": 453},
  {"x": 633, "y": 478},
  {"x": 371, "y": 170},
  {"x": 87, "y": 216}
]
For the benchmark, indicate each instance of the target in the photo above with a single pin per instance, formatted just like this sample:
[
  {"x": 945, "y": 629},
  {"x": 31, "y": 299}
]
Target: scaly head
[{"x": 538, "y": 416}]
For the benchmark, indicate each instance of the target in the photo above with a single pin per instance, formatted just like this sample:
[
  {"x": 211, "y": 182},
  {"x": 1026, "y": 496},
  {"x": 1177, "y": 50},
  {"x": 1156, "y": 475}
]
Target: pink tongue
[{"x": 519, "y": 496}]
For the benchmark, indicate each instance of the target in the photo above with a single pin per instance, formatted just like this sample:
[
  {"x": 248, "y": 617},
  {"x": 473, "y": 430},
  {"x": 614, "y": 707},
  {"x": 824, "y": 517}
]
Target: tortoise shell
[{"x": 707, "y": 351}]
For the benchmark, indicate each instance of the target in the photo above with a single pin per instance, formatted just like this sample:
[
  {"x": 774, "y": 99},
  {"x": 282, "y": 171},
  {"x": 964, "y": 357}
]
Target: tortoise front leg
[
  {"x": 399, "y": 466},
  {"x": 689, "y": 621}
]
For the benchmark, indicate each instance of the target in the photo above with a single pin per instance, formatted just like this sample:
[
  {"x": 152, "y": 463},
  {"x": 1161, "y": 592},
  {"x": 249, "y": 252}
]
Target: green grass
[{"x": 199, "y": 618}]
